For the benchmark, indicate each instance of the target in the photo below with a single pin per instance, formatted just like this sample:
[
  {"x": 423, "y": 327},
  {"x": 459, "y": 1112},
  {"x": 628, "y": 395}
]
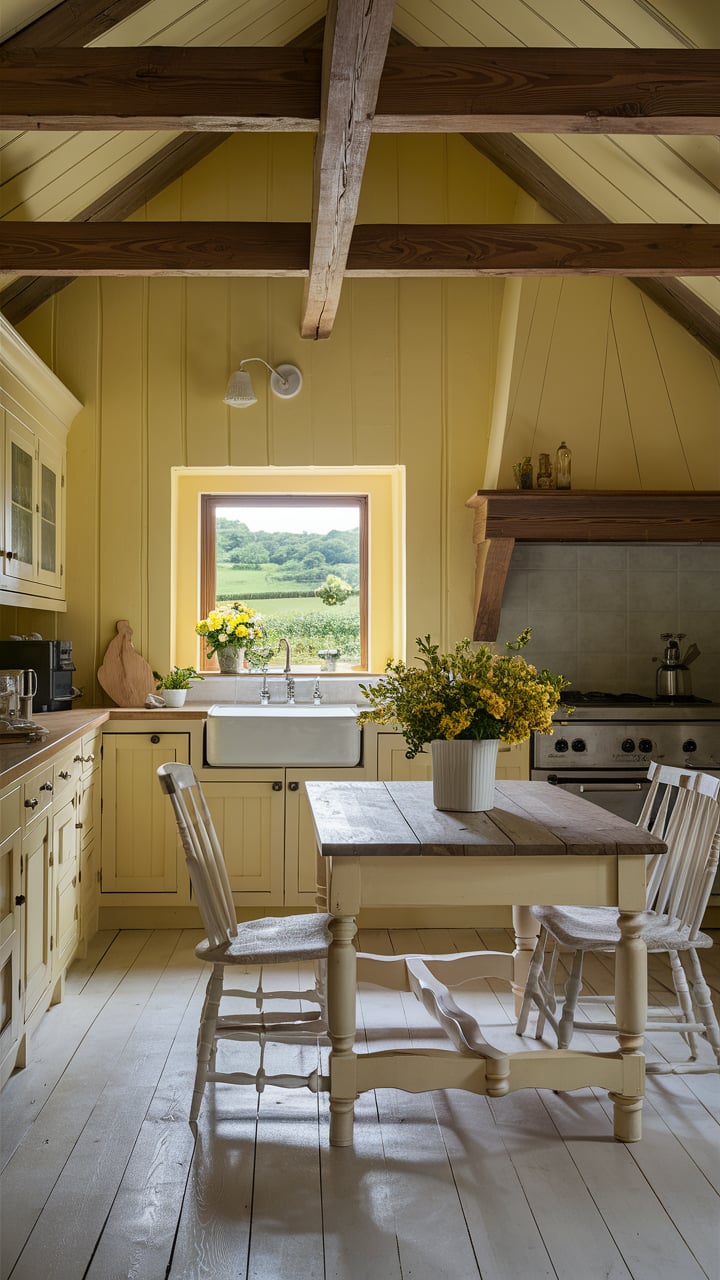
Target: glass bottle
[
  {"x": 563, "y": 460},
  {"x": 544, "y": 475}
]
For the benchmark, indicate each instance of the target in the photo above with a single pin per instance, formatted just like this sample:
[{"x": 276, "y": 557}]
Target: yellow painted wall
[{"x": 408, "y": 377}]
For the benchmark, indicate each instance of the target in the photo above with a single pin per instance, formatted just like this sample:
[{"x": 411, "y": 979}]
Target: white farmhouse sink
[{"x": 259, "y": 737}]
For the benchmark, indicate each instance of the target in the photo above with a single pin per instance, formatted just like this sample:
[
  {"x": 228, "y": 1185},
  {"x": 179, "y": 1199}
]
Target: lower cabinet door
[
  {"x": 141, "y": 851},
  {"x": 249, "y": 820},
  {"x": 66, "y": 888},
  {"x": 11, "y": 917},
  {"x": 37, "y": 943},
  {"x": 514, "y": 762},
  {"x": 393, "y": 764}
]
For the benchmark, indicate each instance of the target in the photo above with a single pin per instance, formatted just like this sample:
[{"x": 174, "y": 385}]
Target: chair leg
[
  {"x": 702, "y": 1000},
  {"x": 531, "y": 994},
  {"x": 206, "y": 1038},
  {"x": 573, "y": 987},
  {"x": 548, "y": 1005},
  {"x": 682, "y": 992}
]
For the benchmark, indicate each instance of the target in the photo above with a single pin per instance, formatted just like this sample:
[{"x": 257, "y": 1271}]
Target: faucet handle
[{"x": 316, "y": 695}]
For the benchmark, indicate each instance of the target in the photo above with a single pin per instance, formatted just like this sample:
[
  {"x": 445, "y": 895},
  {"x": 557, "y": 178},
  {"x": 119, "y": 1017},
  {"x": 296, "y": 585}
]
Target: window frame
[{"x": 209, "y": 503}]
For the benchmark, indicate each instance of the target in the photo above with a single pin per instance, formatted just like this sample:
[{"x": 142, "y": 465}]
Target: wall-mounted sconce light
[{"x": 285, "y": 381}]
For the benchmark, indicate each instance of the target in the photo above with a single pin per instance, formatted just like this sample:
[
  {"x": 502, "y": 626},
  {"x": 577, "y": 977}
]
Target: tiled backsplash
[{"x": 597, "y": 610}]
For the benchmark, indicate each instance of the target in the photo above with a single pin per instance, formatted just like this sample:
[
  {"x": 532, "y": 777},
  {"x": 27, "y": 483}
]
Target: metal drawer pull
[
  {"x": 46, "y": 786},
  {"x": 78, "y": 826},
  {"x": 77, "y": 759},
  {"x": 611, "y": 786},
  {"x": 277, "y": 786},
  {"x": 20, "y": 900},
  {"x": 65, "y": 774},
  {"x": 32, "y": 804},
  {"x": 293, "y": 786},
  {"x": 88, "y": 759}
]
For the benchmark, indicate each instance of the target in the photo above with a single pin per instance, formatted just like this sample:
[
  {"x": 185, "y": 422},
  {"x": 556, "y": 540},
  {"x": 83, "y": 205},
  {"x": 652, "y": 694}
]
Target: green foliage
[
  {"x": 178, "y": 678},
  {"x": 310, "y": 632},
  {"x": 465, "y": 694},
  {"x": 334, "y": 590}
]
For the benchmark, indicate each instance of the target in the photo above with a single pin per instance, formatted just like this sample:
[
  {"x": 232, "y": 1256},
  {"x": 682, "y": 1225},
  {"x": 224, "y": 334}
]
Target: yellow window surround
[{"x": 385, "y": 487}]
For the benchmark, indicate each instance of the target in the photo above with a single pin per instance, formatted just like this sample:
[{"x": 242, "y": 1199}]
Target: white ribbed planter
[
  {"x": 464, "y": 774},
  {"x": 174, "y": 697}
]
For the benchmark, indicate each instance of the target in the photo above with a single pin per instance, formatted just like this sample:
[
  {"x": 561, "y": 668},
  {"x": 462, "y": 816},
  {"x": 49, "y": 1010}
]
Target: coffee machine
[{"x": 52, "y": 662}]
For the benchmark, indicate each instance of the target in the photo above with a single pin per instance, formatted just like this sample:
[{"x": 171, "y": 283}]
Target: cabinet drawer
[
  {"x": 10, "y": 814},
  {"x": 37, "y": 794},
  {"x": 66, "y": 775},
  {"x": 87, "y": 751}
]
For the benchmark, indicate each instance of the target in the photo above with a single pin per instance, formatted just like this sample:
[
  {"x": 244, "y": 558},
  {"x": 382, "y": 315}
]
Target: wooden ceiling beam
[
  {"x": 356, "y": 41},
  {"x": 389, "y": 250},
  {"x": 421, "y": 90},
  {"x": 70, "y": 23}
]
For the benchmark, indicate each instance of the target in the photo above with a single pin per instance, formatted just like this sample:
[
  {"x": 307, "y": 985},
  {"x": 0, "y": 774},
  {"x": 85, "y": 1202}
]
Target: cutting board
[{"x": 124, "y": 674}]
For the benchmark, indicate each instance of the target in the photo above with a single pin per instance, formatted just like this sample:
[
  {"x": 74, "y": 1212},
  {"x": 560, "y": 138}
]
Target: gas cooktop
[{"x": 599, "y": 698}]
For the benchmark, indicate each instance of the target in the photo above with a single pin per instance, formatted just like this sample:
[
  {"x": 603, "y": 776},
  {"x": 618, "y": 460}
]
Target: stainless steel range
[{"x": 602, "y": 749}]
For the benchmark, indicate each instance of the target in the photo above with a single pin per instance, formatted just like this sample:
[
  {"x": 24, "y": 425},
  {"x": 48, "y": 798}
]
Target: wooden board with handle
[{"x": 124, "y": 674}]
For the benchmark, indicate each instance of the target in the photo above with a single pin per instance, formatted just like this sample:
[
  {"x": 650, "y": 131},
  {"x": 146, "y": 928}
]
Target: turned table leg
[
  {"x": 631, "y": 1017},
  {"x": 341, "y": 993},
  {"x": 526, "y": 929}
]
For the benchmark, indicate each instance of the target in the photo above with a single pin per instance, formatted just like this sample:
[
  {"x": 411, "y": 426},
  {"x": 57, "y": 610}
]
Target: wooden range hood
[{"x": 506, "y": 516}]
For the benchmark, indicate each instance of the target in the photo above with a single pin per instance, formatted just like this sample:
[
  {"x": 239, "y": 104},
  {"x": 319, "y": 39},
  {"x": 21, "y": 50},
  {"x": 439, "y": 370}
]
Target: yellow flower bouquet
[
  {"x": 470, "y": 693},
  {"x": 237, "y": 627}
]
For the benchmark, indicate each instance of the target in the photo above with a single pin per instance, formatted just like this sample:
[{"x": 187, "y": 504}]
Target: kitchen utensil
[
  {"x": 124, "y": 674},
  {"x": 673, "y": 679},
  {"x": 27, "y": 691}
]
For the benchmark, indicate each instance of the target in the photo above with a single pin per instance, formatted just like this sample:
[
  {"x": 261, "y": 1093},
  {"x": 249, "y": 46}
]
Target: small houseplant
[
  {"x": 230, "y": 632},
  {"x": 468, "y": 696},
  {"x": 175, "y": 684}
]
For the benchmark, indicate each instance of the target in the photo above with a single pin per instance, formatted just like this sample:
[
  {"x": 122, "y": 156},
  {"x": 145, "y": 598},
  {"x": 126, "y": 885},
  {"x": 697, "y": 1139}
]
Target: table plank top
[{"x": 530, "y": 819}]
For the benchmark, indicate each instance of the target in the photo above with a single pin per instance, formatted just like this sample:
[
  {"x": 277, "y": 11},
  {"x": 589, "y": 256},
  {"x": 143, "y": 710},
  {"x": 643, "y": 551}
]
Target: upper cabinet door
[
  {"x": 20, "y": 500},
  {"x": 50, "y": 515}
]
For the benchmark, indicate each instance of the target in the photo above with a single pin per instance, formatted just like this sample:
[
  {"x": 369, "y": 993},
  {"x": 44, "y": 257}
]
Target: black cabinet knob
[
  {"x": 155, "y": 737},
  {"x": 293, "y": 786},
  {"x": 277, "y": 786},
  {"x": 20, "y": 900}
]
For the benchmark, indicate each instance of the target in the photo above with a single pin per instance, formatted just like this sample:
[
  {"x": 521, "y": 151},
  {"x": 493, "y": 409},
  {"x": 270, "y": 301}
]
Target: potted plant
[
  {"x": 229, "y": 633},
  {"x": 464, "y": 703},
  {"x": 175, "y": 684}
]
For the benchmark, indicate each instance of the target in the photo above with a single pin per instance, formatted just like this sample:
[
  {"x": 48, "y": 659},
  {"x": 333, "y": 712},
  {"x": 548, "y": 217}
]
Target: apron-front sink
[{"x": 261, "y": 737}]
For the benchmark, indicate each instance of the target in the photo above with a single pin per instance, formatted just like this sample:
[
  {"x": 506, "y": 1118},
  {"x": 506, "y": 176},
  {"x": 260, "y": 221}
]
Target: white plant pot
[
  {"x": 174, "y": 697},
  {"x": 464, "y": 774}
]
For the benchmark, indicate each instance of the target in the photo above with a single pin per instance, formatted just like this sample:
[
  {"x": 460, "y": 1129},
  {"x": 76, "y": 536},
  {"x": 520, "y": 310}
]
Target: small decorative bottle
[
  {"x": 544, "y": 475},
  {"x": 523, "y": 473},
  {"x": 563, "y": 459}
]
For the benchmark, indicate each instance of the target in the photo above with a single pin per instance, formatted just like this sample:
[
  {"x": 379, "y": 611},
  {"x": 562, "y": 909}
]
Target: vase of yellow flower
[
  {"x": 464, "y": 703},
  {"x": 229, "y": 633}
]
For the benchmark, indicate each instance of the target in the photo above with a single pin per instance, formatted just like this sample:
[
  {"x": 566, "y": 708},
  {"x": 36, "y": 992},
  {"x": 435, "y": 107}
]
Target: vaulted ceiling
[{"x": 647, "y": 155}]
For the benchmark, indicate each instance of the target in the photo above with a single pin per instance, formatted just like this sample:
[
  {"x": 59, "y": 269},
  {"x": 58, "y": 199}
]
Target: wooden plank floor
[{"x": 101, "y": 1177}]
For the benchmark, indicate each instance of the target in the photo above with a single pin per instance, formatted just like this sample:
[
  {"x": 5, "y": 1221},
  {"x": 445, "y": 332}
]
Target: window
[
  {"x": 300, "y": 560},
  {"x": 382, "y": 581}
]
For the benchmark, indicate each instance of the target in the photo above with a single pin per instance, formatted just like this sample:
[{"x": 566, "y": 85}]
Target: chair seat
[
  {"x": 272, "y": 940},
  {"x": 596, "y": 929}
]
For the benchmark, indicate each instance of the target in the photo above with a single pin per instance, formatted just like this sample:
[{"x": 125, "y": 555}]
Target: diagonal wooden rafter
[
  {"x": 421, "y": 90},
  {"x": 525, "y": 167},
  {"x": 70, "y": 23},
  {"x": 388, "y": 250},
  {"x": 356, "y": 41}
]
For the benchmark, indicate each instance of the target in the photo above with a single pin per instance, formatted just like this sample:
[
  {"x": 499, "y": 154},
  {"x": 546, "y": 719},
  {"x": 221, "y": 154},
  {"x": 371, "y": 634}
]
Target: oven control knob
[
  {"x": 689, "y": 746},
  {"x": 627, "y": 745},
  {"x": 578, "y": 744},
  {"x": 561, "y": 744},
  {"x": 645, "y": 745}
]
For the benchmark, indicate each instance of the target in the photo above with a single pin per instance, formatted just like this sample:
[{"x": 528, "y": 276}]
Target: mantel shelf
[{"x": 506, "y": 516}]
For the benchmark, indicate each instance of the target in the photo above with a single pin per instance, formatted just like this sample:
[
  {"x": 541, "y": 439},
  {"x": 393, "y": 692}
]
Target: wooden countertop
[{"x": 65, "y": 727}]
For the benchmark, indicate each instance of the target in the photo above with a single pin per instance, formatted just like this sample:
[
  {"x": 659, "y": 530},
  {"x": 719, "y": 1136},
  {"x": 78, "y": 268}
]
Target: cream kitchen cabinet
[
  {"x": 141, "y": 853},
  {"x": 301, "y": 861},
  {"x": 12, "y": 901},
  {"x": 35, "y": 413},
  {"x": 248, "y": 813}
]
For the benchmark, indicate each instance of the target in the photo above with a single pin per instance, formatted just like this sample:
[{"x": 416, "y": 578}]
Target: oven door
[{"x": 621, "y": 791}]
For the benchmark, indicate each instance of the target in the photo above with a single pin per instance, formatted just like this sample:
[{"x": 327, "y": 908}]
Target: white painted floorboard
[{"x": 101, "y": 1179}]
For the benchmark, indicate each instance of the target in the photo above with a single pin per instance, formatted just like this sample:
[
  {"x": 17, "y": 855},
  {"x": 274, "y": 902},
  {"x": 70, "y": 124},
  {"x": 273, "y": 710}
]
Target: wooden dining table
[{"x": 385, "y": 844}]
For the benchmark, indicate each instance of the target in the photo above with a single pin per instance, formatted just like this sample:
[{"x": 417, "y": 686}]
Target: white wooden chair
[
  {"x": 683, "y": 809},
  {"x": 269, "y": 941}
]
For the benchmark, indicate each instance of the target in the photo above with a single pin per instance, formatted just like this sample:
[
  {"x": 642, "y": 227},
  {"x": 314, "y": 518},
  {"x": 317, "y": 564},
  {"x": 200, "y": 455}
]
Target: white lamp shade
[{"x": 240, "y": 392}]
